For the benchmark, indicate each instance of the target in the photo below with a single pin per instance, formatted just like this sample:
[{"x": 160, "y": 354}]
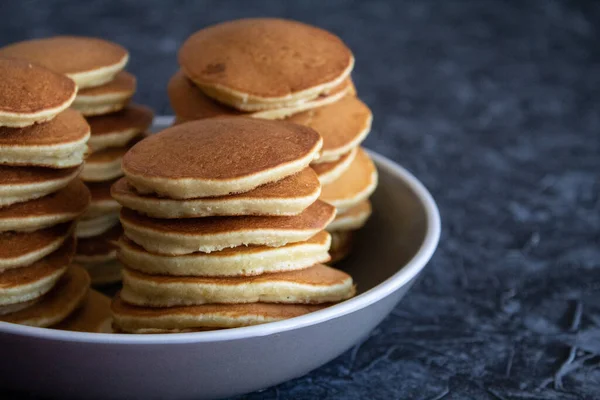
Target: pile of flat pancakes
[
  {"x": 105, "y": 92},
  {"x": 281, "y": 69},
  {"x": 223, "y": 228}
]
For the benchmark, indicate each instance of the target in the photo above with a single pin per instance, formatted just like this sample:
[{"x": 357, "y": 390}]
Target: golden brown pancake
[
  {"x": 62, "y": 206},
  {"x": 30, "y": 93},
  {"x": 219, "y": 156},
  {"x": 107, "y": 98},
  {"x": 93, "y": 315},
  {"x": 352, "y": 219},
  {"x": 289, "y": 196},
  {"x": 341, "y": 245},
  {"x": 88, "y": 61},
  {"x": 343, "y": 126},
  {"x": 102, "y": 202},
  {"x": 328, "y": 172},
  {"x": 99, "y": 249},
  {"x": 105, "y": 165},
  {"x": 58, "y": 304},
  {"x": 265, "y": 63},
  {"x": 133, "y": 319},
  {"x": 184, "y": 236},
  {"x": 119, "y": 128}
]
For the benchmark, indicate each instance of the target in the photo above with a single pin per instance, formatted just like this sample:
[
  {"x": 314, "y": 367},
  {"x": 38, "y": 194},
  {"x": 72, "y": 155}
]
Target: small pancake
[
  {"x": 265, "y": 63},
  {"x": 60, "y": 143},
  {"x": 62, "y": 206},
  {"x": 105, "y": 273},
  {"x": 354, "y": 186},
  {"x": 99, "y": 249},
  {"x": 68, "y": 294},
  {"x": 102, "y": 202},
  {"x": 13, "y": 308},
  {"x": 184, "y": 236},
  {"x": 341, "y": 245},
  {"x": 343, "y": 126},
  {"x": 23, "y": 284},
  {"x": 20, "y": 184},
  {"x": 289, "y": 196},
  {"x": 93, "y": 315},
  {"x": 105, "y": 165},
  {"x": 30, "y": 93},
  {"x": 328, "y": 172},
  {"x": 107, "y": 98},
  {"x": 133, "y": 319},
  {"x": 20, "y": 249},
  {"x": 87, "y": 228},
  {"x": 237, "y": 261},
  {"x": 88, "y": 61},
  {"x": 219, "y": 156},
  {"x": 190, "y": 103},
  {"x": 119, "y": 128},
  {"x": 352, "y": 219}
]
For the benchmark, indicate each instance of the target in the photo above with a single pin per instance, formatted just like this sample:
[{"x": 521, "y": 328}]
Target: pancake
[
  {"x": 289, "y": 196},
  {"x": 13, "y": 308},
  {"x": 119, "y": 128},
  {"x": 343, "y": 126},
  {"x": 265, "y": 63},
  {"x": 99, "y": 249},
  {"x": 184, "y": 236},
  {"x": 20, "y": 184},
  {"x": 93, "y": 315},
  {"x": 102, "y": 202},
  {"x": 237, "y": 261},
  {"x": 30, "y": 93},
  {"x": 354, "y": 186},
  {"x": 219, "y": 156},
  {"x": 62, "y": 206},
  {"x": 190, "y": 103},
  {"x": 60, "y": 143},
  {"x": 133, "y": 319},
  {"x": 69, "y": 294},
  {"x": 23, "y": 284},
  {"x": 105, "y": 165},
  {"x": 330, "y": 171},
  {"x": 107, "y": 98},
  {"x": 352, "y": 219},
  {"x": 87, "y": 228},
  {"x": 341, "y": 245},
  {"x": 88, "y": 61},
  {"x": 105, "y": 273},
  {"x": 20, "y": 249}
]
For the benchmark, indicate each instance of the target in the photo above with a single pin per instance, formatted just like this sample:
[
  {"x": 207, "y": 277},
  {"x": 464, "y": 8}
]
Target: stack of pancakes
[
  {"x": 280, "y": 69},
  {"x": 42, "y": 149},
  {"x": 105, "y": 91},
  {"x": 223, "y": 228}
]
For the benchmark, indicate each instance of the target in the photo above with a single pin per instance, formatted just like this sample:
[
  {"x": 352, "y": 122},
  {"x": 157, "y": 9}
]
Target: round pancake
[
  {"x": 105, "y": 165},
  {"x": 352, "y": 219},
  {"x": 60, "y": 143},
  {"x": 88, "y": 61},
  {"x": 119, "y": 128},
  {"x": 107, "y": 98},
  {"x": 314, "y": 285},
  {"x": 190, "y": 103},
  {"x": 341, "y": 245},
  {"x": 265, "y": 63},
  {"x": 330, "y": 171},
  {"x": 68, "y": 295},
  {"x": 184, "y": 236},
  {"x": 102, "y": 202},
  {"x": 64, "y": 205},
  {"x": 133, "y": 319},
  {"x": 219, "y": 156},
  {"x": 237, "y": 261},
  {"x": 343, "y": 126},
  {"x": 93, "y": 315},
  {"x": 12, "y": 308},
  {"x": 354, "y": 186},
  {"x": 20, "y": 184},
  {"x": 99, "y": 249},
  {"x": 105, "y": 273},
  {"x": 23, "y": 284},
  {"x": 87, "y": 228},
  {"x": 30, "y": 93},
  {"x": 289, "y": 196},
  {"x": 20, "y": 249}
]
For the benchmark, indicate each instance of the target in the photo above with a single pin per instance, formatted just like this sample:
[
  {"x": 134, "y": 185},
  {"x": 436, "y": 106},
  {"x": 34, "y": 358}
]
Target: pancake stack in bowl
[
  {"x": 280, "y": 69},
  {"x": 42, "y": 149},
  {"x": 105, "y": 91},
  {"x": 223, "y": 228}
]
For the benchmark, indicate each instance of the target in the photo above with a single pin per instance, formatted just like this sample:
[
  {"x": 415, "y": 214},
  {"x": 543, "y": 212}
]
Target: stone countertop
[{"x": 495, "y": 106}]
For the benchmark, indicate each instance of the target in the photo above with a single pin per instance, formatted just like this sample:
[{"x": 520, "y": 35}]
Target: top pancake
[
  {"x": 219, "y": 156},
  {"x": 88, "y": 61},
  {"x": 30, "y": 93},
  {"x": 264, "y": 63}
]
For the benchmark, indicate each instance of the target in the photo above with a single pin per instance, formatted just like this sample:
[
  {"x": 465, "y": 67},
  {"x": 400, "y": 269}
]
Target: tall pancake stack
[
  {"x": 42, "y": 148},
  {"x": 223, "y": 228},
  {"x": 280, "y": 69},
  {"x": 104, "y": 95}
]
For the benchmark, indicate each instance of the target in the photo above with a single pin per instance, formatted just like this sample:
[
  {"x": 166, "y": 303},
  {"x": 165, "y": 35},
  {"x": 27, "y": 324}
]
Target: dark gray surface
[{"x": 495, "y": 106}]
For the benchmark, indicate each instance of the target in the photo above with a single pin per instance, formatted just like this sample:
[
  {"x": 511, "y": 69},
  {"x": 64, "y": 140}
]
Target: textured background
[{"x": 495, "y": 106}]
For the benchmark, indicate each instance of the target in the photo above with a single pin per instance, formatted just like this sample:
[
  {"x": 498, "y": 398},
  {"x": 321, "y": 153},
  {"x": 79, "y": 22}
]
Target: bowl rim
[{"x": 405, "y": 274}]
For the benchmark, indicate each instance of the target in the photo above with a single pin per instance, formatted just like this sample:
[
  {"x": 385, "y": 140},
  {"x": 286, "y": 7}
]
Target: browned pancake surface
[
  {"x": 133, "y": 116},
  {"x": 16, "y": 244},
  {"x": 67, "y": 127},
  {"x": 27, "y": 175},
  {"x": 124, "y": 82}
]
